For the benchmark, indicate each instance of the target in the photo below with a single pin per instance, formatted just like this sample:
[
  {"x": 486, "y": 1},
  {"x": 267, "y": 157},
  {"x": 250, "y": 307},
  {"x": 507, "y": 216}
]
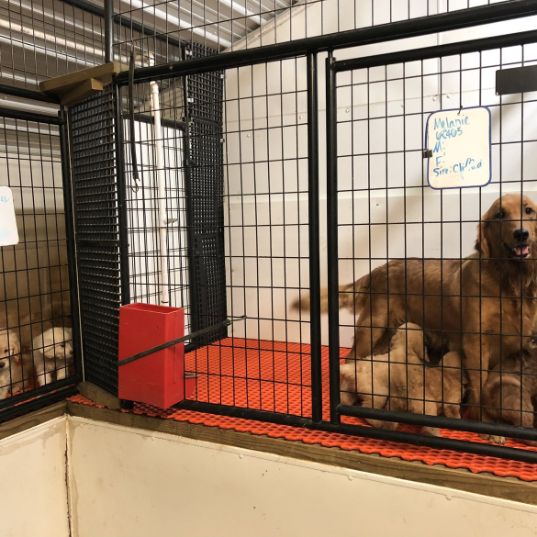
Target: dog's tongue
[{"x": 522, "y": 251}]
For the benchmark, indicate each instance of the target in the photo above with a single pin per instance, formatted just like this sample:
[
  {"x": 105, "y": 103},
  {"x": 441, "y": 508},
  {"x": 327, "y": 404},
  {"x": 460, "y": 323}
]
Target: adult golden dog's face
[{"x": 509, "y": 229}]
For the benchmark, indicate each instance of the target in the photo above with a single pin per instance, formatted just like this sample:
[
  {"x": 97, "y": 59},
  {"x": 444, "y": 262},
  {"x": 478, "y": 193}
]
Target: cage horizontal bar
[
  {"x": 438, "y": 421},
  {"x": 349, "y": 38},
  {"x": 27, "y": 94},
  {"x": 29, "y": 116},
  {"x": 146, "y": 118},
  {"x": 34, "y": 399},
  {"x": 122, "y": 21},
  {"x": 368, "y": 432},
  {"x": 437, "y": 51}
]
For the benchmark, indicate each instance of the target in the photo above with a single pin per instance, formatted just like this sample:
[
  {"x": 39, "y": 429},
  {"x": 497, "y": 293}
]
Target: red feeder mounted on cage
[{"x": 146, "y": 374}]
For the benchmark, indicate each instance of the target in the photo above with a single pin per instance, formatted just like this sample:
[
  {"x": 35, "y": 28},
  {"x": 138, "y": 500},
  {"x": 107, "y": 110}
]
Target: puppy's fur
[
  {"x": 10, "y": 364},
  {"x": 400, "y": 380},
  {"x": 497, "y": 283},
  {"x": 53, "y": 354},
  {"x": 510, "y": 393}
]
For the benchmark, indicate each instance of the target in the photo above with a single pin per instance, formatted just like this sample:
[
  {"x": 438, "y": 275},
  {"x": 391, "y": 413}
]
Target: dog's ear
[{"x": 482, "y": 243}]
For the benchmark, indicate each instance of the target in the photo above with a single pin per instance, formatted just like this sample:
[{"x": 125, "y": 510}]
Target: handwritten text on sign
[
  {"x": 459, "y": 145},
  {"x": 8, "y": 223}
]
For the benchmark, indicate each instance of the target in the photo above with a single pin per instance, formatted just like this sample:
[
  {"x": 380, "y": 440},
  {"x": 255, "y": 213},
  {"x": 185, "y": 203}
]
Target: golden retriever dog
[
  {"x": 482, "y": 306},
  {"x": 28, "y": 315},
  {"x": 510, "y": 393},
  {"x": 401, "y": 380},
  {"x": 53, "y": 354},
  {"x": 10, "y": 364}
]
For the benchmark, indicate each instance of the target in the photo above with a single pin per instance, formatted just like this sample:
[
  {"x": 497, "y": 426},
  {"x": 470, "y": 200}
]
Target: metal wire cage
[
  {"x": 265, "y": 224},
  {"x": 197, "y": 181},
  {"x": 38, "y": 362}
]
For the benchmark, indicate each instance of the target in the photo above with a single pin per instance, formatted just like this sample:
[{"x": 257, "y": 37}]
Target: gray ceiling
[{"x": 45, "y": 38}]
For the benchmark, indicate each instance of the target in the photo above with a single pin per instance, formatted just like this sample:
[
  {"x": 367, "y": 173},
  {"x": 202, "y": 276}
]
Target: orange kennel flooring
[{"x": 275, "y": 376}]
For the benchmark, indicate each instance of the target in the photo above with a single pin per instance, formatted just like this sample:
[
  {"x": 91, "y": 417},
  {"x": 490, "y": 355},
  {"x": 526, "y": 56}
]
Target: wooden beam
[
  {"x": 81, "y": 91},
  {"x": 17, "y": 425},
  {"x": 98, "y": 395},
  {"x": 64, "y": 83},
  {"x": 486, "y": 484}
]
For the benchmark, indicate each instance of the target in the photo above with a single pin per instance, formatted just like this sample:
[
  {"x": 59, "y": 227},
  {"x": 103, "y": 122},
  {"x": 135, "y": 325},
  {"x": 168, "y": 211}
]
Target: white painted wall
[
  {"x": 264, "y": 129},
  {"x": 127, "y": 482},
  {"x": 33, "y": 483},
  {"x": 133, "y": 483}
]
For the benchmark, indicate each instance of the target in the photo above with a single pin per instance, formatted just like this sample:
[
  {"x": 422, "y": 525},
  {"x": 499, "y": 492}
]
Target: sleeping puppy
[
  {"x": 510, "y": 393},
  {"x": 400, "y": 380},
  {"x": 53, "y": 354},
  {"x": 10, "y": 364}
]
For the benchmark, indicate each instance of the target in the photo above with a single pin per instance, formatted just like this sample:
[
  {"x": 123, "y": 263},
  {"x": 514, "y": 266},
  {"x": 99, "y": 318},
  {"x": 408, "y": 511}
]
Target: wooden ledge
[
  {"x": 486, "y": 484},
  {"x": 32, "y": 419},
  {"x": 73, "y": 87}
]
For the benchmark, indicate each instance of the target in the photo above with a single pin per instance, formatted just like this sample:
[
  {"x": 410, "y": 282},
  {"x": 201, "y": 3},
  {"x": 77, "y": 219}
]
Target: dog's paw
[
  {"x": 433, "y": 431},
  {"x": 494, "y": 438}
]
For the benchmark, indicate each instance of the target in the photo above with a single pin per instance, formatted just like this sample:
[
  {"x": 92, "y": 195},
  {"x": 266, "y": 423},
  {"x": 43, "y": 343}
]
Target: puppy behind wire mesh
[
  {"x": 10, "y": 364},
  {"x": 53, "y": 354},
  {"x": 402, "y": 380},
  {"x": 510, "y": 394}
]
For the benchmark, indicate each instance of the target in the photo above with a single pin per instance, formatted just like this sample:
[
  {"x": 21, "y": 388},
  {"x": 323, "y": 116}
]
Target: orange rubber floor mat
[{"x": 275, "y": 376}]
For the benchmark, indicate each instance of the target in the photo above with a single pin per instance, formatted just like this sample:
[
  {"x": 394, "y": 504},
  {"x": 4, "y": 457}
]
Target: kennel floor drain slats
[{"x": 274, "y": 376}]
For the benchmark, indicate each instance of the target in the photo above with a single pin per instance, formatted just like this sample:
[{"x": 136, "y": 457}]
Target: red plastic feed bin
[{"x": 157, "y": 379}]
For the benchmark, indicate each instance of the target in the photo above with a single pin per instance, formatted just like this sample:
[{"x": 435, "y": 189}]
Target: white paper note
[
  {"x": 8, "y": 223},
  {"x": 458, "y": 142}
]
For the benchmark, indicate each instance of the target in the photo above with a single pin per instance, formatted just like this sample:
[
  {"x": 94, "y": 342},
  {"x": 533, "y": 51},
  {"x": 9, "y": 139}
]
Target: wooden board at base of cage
[{"x": 74, "y": 87}]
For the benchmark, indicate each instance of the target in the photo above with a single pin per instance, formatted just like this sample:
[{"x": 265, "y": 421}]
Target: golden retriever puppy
[
  {"x": 482, "y": 306},
  {"x": 401, "y": 380},
  {"x": 53, "y": 354},
  {"x": 10, "y": 364},
  {"x": 510, "y": 393}
]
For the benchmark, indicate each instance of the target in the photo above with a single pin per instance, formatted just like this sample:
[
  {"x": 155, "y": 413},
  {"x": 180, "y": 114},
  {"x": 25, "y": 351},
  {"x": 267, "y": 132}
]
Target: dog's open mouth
[{"x": 521, "y": 251}]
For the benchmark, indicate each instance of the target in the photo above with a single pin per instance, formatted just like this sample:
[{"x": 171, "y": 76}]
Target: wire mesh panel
[
  {"x": 204, "y": 95},
  {"x": 228, "y": 25},
  {"x": 39, "y": 40},
  {"x": 36, "y": 341},
  {"x": 264, "y": 363},
  {"x": 436, "y": 284},
  {"x": 174, "y": 177},
  {"x": 95, "y": 196}
]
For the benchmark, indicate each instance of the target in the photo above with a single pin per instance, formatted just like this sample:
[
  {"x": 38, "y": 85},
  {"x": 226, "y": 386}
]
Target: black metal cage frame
[
  {"x": 38, "y": 397},
  {"x": 97, "y": 301}
]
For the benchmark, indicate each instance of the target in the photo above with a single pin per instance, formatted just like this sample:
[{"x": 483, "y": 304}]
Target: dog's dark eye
[
  {"x": 529, "y": 210},
  {"x": 500, "y": 214}
]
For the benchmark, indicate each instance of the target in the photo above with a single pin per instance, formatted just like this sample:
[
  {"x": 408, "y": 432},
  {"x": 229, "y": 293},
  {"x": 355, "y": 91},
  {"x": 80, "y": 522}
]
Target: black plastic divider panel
[
  {"x": 95, "y": 198},
  {"x": 205, "y": 204}
]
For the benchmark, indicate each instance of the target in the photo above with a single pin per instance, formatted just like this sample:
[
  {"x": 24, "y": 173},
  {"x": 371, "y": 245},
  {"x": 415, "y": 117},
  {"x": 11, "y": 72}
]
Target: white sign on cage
[
  {"x": 8, "y": 223},
  {"x": 458, "y": 148}
]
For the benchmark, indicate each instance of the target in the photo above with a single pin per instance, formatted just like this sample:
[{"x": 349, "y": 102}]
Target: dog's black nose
[
  {"x": 521, "y": 234},
  {"x": 2, "y": 364}
]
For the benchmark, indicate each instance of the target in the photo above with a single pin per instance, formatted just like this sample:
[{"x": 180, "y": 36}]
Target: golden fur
[
  {"x": 511, "y": 391},
  {"x": 400, "y": 380},
  {"x": 497, "y": 284},
  {"x": 10, "y": 364},
  {"x": 53, "y": 354}
]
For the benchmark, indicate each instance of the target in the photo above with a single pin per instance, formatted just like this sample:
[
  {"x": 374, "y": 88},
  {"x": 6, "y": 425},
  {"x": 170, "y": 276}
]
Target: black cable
[{"x": 132, "y": 138}]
